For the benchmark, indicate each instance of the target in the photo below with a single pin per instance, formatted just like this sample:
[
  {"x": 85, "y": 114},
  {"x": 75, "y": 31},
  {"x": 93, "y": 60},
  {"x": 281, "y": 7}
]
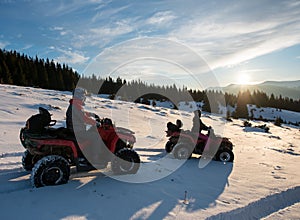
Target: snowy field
[{"x": 263, "y": 182}]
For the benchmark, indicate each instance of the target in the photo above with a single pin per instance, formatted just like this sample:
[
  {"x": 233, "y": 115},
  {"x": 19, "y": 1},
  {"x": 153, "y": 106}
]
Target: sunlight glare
[{"x": 243, "y": 79}]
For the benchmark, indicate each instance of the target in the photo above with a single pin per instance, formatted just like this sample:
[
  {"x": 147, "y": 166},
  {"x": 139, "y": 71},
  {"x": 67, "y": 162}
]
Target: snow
[
  {"x": 273, "y": 113},
  {"x": 262, "y": 182}
]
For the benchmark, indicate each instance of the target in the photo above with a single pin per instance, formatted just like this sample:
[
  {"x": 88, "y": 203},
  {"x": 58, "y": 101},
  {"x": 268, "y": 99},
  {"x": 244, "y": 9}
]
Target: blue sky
[{"x": 240, "y": 41}]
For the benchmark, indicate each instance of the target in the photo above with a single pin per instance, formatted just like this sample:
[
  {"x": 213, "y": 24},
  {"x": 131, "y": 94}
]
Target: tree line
[
  {"x": 261, "y": 99},
  {"x": 134, "y": 90},
  {"x": 22, "y": 70},
  {"x": 140, "y": 91}
]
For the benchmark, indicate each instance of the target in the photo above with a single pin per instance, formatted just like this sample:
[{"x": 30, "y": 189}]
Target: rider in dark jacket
[
  {"x": 198, "y": 125},
  {"x": 76, "y": 117},
  {"x": 76, "y": 120}
]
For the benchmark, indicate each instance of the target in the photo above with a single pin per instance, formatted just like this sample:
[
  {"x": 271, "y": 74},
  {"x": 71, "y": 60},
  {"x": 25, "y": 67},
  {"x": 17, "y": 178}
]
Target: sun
[{"x": 243, "y": 79}]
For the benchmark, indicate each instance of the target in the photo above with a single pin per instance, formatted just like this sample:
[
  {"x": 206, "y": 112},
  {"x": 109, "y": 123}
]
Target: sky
[{"x": 193, "y": 42}]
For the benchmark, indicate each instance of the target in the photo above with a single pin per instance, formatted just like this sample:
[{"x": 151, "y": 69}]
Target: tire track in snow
[
  {"x": 263, "y": 207},
  {"x": 11, "y": 154}
]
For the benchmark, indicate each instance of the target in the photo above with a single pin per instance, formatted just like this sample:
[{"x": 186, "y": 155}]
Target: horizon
[
  {"x": 244, "y": 43},
  {"x": 262, "y": 82},
  {"x": 231, "y": 84}
]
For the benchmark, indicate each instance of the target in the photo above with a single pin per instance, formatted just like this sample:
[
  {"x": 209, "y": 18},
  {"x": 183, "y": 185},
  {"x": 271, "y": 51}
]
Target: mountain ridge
[{"x": 290, "y": 89}]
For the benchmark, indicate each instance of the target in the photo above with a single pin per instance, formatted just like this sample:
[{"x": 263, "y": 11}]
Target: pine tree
[
  {"x": 5, "y": 75},
  {"x": 241, "y": 106}
]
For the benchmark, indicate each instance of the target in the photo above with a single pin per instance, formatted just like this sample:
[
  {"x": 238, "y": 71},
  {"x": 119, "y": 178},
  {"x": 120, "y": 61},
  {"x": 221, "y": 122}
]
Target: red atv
[
  {"x": 183, "y": 143},
  {"x": 51, "y": 152}
]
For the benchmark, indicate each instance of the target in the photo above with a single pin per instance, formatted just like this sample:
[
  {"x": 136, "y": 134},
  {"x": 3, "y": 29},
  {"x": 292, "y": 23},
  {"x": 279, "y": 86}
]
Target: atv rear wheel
[
  {"x": 126, "y": 161},
  {"x": 50, "y": 170},
  {"x": 27, "y": 161},
  {"x": 182, "y": 151},
  {"x": 225, "y": 155}
]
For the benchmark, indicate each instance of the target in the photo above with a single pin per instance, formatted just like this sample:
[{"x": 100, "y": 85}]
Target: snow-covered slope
[
  {"x": 273, "y": 113},
  {"x": 263, "y": 181}
]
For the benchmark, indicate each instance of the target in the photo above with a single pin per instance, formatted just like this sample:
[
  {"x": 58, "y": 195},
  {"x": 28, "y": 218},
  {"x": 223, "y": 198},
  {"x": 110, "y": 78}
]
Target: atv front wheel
[
  {"x": 126, "y": 161},
  {"x": 225, "y": 155},
  {"x": 27, "y": 161},
  {"x": 182, "y": 152},
  {"x": 50, "y": 170}
]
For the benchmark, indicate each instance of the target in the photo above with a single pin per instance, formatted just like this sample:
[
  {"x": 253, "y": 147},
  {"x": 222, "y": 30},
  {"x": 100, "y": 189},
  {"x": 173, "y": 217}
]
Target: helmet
[
  {"x": 179, "y": 123},
  {"x": 79, "y": 93},
  {"x": 107, "y": 123},
  {"x": 44, "y": 111}
]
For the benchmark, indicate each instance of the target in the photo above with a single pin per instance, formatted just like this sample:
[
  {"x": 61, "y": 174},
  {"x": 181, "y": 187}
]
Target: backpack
[{"x": 37, "y": 123}]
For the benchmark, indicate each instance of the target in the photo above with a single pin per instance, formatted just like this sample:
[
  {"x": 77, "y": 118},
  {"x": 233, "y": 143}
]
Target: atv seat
[
  {"x": 61, "y": 133},
  {"x": 34, "y": 135}
]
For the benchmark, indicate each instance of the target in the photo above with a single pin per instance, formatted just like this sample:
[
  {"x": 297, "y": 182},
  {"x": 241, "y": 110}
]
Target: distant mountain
[
  {"x": 287, "y": 84},
  {"x": 289, "y": 89}
]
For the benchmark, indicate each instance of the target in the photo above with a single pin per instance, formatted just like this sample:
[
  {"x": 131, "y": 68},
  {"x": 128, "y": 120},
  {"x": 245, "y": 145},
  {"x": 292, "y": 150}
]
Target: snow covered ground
[
  {"x": 272, "y": 114},
  {"x": 263, "y": 182}
]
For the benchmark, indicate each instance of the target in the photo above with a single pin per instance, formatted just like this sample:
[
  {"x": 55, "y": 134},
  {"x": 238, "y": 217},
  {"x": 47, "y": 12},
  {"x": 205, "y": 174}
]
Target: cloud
[
  {"x": 28, "y": 46},
  {"x": 153, "y": 59},
  {"x": 56, "y": 28},
  {"x": 227, "y": 37},
  {"x": 161, "y": 18},
  {"x": 254, "y": 70},
  {"x": 231, "y": 37},
  {"x": 99, "y": 37},
  {"x": 69, "y": 56},
  {"x": 3, "y": 44},
  {"x": 119, "y": 28},
  {"x": 237, "y": 33},
  {"x": 223, "y": 33},
  {"x": 61, "y": 30},
  {"x": 68, "y": 7},
  {"x": 293, "y": 3},
  {"x": 107, "y": 13}
]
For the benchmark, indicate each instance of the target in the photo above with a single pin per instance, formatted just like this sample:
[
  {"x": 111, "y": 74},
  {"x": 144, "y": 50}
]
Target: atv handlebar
[{"x": 52, "y": 123}]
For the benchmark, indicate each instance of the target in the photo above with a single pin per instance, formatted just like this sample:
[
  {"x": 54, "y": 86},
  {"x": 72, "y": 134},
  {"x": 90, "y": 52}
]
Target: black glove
[
  {"x": 98, "y": 124},
  {"x": 97, "y": 117}
]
